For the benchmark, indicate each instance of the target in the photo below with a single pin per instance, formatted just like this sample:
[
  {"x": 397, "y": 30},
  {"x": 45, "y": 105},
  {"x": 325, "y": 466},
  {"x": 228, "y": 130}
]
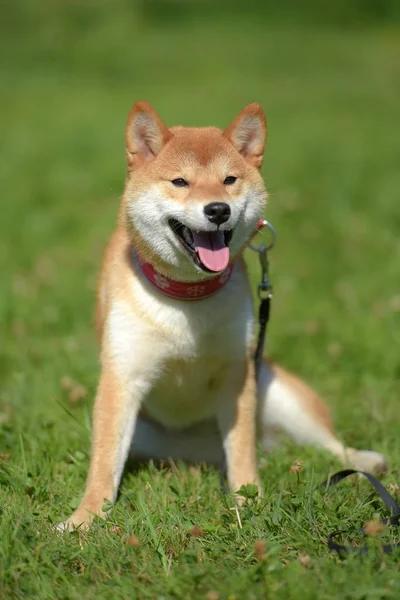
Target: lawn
[{"x": 69, "y": 75}]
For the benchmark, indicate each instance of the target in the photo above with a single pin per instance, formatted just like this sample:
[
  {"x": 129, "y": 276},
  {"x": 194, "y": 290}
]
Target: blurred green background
[{"x": 328, "y": 77}]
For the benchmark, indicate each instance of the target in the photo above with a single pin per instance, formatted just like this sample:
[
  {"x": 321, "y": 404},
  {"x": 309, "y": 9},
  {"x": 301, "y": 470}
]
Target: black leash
[
  {"x": 263, "y": 318},
  {"x": 388, "y": 500},
  {"x": 264, "y": 293}
]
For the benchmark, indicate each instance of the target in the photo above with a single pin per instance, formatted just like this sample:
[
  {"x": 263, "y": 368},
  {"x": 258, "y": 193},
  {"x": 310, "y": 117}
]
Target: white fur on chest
[{"x": 181, "y": 352}]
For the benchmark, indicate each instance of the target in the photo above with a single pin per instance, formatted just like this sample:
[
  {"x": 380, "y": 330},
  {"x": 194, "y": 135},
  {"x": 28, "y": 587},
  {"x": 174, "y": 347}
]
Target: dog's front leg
[
  {"x": 126, "y": 378},
  {"x": 115, "y": 411},
  {"x": 237, "y": 421}
]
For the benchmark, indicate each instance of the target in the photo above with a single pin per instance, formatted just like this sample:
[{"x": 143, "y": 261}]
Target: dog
[{"x": 175, "y": 317}]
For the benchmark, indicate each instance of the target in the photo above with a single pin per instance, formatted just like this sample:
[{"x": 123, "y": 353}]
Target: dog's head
[{"x": 193, "y": 195}]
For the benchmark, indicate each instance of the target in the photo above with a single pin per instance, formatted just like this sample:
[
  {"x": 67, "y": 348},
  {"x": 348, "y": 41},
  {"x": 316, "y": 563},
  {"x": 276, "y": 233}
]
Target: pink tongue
[{"x": 211, "y": 249}]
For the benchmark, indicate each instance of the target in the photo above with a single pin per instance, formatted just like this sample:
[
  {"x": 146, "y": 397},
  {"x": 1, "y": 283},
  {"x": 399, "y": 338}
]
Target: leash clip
[{"x": 265, "y": 286}]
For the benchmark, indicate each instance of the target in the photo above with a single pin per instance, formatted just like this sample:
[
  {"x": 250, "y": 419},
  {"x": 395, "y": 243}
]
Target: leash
[
  {"x": 265, "y": 292},
  {"x": 392, "y": 521}
]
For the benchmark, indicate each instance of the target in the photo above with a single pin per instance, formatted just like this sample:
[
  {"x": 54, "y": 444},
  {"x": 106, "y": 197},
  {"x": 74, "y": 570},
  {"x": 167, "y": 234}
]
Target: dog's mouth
[{"x": 209, "y": 250}]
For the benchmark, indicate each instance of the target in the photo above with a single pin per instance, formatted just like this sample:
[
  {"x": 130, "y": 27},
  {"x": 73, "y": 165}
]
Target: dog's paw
[
  {"x": 80, "y": 519},
  {"x": 367, "y": 460}
]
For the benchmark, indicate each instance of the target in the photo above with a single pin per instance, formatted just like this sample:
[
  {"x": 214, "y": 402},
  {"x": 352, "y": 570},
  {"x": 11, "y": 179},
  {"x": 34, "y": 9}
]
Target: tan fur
[
  {"x": 177, "y": 378},
  {"x": 312, "y": 403},
  {"x": 242, "y": 467}
]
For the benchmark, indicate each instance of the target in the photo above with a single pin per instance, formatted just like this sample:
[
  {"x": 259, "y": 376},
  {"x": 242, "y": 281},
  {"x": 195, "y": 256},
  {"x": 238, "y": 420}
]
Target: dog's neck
[
  {"x": 188, "y": 290},
  {"x": 185, "y": 290}
]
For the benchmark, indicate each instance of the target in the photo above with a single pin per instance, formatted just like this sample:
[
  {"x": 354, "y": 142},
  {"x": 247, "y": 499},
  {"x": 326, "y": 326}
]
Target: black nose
[{"x": 217, "y": 212}]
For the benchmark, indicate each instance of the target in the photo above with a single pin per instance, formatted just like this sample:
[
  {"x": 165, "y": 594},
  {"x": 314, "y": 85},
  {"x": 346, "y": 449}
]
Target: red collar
[{"x": 186, "y": 290}]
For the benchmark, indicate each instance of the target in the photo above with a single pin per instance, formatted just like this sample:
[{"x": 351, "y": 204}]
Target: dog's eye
[
  {"x": 179, "y": 182},
  {"x": 230, "y": 180}
]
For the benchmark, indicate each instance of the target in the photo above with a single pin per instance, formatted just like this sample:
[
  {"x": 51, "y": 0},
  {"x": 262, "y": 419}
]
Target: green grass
[{"x": 69, "y": 74}]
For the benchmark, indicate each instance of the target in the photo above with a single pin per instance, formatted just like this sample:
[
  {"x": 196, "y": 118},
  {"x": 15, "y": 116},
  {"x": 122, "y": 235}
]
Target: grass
[{"x": 69, "y": 75}]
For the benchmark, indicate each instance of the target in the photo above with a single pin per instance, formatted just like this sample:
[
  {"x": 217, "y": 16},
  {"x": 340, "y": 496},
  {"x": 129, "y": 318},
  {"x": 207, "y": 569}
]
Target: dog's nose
[{"x": 217, "y": 212}]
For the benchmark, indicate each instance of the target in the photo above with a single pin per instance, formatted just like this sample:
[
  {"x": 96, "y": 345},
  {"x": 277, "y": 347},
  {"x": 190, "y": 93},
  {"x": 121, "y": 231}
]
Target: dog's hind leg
[{"x": 287, "y": 405}]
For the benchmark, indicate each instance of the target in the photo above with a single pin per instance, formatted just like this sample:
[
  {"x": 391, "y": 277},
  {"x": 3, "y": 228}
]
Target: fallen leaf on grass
[
  {"x": 393, "y": 487},
  {"x": 296, "y": 466},
  {"x": 133, "y": 541},
  {"x": 117, "y": 530},
  {"x": 196, "y": 532},
  {"x": 304, "y": 559},
  {"x": 260, "y": 547},
  {"x": 374, "y": 527}
]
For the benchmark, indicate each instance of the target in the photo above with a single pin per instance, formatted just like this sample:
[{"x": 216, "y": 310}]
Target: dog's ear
[
  {"x": 145, "y": 135},
  {"x": 248, "y": 134}
]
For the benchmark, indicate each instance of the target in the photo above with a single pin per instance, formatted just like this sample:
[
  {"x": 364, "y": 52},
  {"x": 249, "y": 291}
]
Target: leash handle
[{"x": 388, "y": 500}]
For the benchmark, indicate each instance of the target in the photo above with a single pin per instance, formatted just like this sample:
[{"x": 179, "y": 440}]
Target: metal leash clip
[{"x": 265, "y": 286}]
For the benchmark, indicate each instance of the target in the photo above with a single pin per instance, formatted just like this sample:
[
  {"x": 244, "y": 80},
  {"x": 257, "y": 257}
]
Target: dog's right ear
[{"x": 145, "y": 135}]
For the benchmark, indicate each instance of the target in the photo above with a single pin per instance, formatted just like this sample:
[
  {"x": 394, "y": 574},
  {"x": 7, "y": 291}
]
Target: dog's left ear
[
  {"x": 146, "y": 134},
  {"x": 248, "y": 134}
]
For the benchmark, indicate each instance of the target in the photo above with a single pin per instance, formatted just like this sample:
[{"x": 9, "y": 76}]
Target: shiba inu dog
[{"x": 175, "y": 316}]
